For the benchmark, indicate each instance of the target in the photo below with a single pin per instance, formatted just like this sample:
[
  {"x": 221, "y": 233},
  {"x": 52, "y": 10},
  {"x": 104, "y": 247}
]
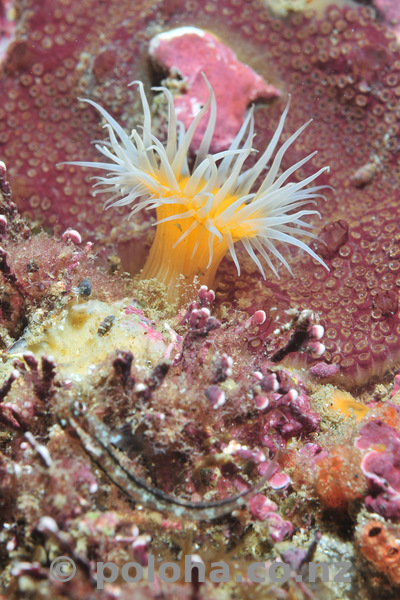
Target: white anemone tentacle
[{"x": 217, "y": 200}]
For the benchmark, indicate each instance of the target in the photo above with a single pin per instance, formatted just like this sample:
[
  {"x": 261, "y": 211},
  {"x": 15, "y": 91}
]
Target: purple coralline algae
[
  {"x": 381, "y": 466},
  {"x": 185, "y": 53}
]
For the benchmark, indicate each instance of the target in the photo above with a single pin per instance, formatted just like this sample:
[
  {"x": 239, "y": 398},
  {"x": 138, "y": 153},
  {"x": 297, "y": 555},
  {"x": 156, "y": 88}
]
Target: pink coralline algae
[
  {"x": 381, "y": 467},
  {"x": 287, "y": 414},
  {"x": 396, "y": 385},
  {"x": 260, "y": 506},
  {"x": 263, "y": 509},
  {"x": 323, "y": 370},
  {"x": 186, "y": 52}
]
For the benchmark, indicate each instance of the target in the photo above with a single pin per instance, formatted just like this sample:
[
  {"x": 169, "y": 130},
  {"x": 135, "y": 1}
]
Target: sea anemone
[{"x": 203, "y": 209}]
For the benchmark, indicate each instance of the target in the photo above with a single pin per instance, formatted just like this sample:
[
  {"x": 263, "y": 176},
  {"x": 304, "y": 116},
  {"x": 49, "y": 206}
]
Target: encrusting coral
[{"x": 203, "y": 210}]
